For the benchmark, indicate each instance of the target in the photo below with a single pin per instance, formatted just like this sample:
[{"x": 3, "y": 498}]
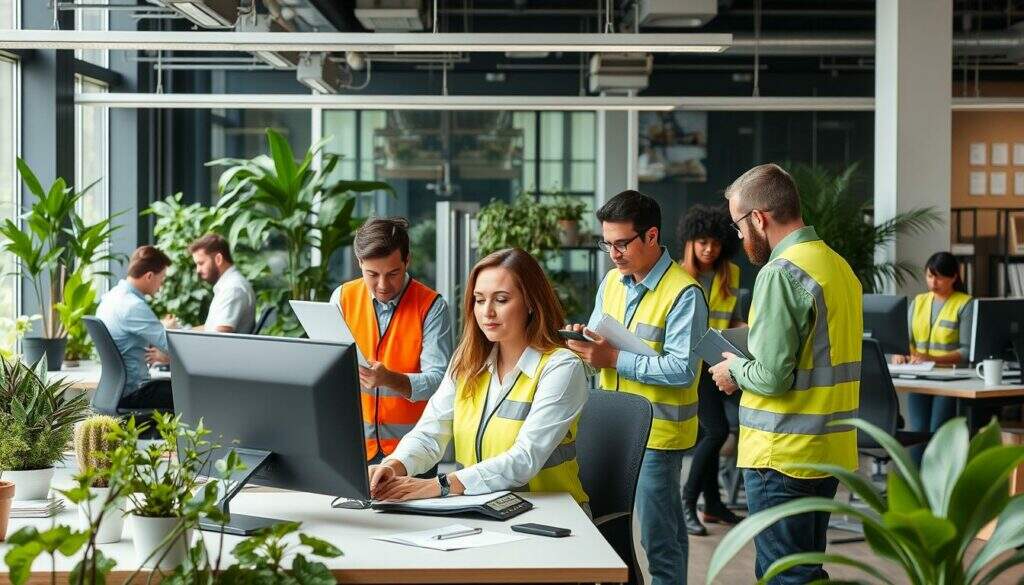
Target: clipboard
[{"x": 715, "y": 342}]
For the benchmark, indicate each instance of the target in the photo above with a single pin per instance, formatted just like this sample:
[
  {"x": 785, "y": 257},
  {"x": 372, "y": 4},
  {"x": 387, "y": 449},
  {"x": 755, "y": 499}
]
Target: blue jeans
[
  {"x": 767, "y": 488},
  {"x": 928, "y": 413},
  {"x": 659, "y": 508}
]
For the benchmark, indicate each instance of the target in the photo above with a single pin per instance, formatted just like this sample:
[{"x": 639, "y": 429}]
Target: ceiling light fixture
[
  {"x": 320, "y": 73},
  {"x": 206, "y": 13},
  {"x": 264, "y": 23}
]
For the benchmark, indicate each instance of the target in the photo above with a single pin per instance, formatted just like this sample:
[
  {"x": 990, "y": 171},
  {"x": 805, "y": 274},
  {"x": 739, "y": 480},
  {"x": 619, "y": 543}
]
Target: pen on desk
[{"x": 469, "y": 532}]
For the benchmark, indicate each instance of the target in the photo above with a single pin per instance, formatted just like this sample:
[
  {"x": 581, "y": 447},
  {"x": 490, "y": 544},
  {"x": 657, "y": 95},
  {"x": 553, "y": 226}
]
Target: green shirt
[{"x": 784, "y": 315}]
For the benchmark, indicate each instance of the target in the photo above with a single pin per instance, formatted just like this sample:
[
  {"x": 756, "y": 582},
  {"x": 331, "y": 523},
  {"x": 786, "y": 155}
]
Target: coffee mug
[{"x": 993, "y": 372}]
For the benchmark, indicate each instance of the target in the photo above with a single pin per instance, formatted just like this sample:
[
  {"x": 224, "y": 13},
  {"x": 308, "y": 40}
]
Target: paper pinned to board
[{"x": 622, "y": 338}]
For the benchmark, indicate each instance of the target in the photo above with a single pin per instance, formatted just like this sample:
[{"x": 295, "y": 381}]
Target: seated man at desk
[
  {"x": 510, "y": 399},
  {"x": 233, "y": 309},
  {"x": 139, "y": 336}
]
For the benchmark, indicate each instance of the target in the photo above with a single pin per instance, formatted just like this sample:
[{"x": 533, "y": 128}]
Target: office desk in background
[
  {"x": 86, "y": 376},
  {"x": 973, "y": 398},
  {"x": 584, "y": 557}
]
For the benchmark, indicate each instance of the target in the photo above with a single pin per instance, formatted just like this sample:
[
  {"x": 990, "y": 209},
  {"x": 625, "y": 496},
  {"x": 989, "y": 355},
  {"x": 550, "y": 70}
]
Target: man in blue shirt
[{"x": 138, "y": 334}]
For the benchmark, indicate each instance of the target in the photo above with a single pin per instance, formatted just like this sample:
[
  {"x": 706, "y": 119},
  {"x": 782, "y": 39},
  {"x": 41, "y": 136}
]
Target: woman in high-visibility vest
[
  {"x": 709, "y": 243},
  {"x": 509, "y": 401},
  {"x": 940, "y": 327}
]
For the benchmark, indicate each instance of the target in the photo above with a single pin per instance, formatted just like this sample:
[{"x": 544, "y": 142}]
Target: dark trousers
[
  {"x": 767, "y": 488},
  {"x": 712, "y": 433},
  {"x": 151, "y": 394}
]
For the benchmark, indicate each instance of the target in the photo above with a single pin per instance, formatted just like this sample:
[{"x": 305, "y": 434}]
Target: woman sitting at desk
[
  {"x": 510, "y": 399},
  {"x": 940, "y": 329}
]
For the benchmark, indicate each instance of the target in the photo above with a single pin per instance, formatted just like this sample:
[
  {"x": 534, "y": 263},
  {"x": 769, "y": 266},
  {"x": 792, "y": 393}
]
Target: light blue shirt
[
  {"x": 134, "y": 327},
  {"x": 437, "y": 341},
  {"x": 686, "y": 323}
]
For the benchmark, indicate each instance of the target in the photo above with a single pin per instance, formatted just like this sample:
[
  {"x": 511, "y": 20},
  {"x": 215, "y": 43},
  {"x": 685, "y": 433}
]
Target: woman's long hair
[
  {"x": 541, "y": 327},
  {"x": 945, "y": 264},
  {"x": 714, "y": 223}
]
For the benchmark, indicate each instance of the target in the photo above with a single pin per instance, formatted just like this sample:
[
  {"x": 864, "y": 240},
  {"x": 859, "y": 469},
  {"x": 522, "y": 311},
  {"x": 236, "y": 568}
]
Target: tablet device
[{"x": 324, "y": 322}]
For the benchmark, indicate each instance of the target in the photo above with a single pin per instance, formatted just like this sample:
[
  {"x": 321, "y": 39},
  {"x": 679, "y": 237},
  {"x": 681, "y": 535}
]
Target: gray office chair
[
  {"x": 110, "y": 390},
  {"x": 613, "y": 431},
  {"x": 266, "y": 318}
]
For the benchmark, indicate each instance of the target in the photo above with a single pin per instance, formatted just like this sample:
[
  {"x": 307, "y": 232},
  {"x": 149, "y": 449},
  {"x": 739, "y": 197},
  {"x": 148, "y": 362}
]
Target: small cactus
[{"x": 92, "y": 444}]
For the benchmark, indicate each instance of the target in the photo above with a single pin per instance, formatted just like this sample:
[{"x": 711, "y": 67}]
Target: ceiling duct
[
  {"x": 620, "y": 73},
  {"x": 206, "y": 13},
  {"x": 671, "y": 13},
  {"x": 266, "y": 23},
  {"x": 321, "y": 74},
  {"x": 392, "y": 15}
]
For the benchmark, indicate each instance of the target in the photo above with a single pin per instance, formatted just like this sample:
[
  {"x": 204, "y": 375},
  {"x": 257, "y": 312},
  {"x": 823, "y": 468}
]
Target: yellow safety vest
[
  {"x": 944, "y": 337},
  {"x": 675, "y": 407},
  {"x": 477, "y": 439},
  {"x": 721, "y": 307},
  {"x": 777, "y": 432}
]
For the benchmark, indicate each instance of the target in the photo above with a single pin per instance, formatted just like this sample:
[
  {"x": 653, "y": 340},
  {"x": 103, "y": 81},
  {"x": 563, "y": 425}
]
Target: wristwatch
[{"x": 446, "y": 488}]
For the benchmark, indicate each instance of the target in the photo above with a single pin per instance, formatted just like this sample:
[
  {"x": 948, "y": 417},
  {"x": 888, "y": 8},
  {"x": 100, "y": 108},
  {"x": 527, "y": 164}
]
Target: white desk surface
[
  {"x": 583, "y": 557},
  {"x": 972, "y": 388}
]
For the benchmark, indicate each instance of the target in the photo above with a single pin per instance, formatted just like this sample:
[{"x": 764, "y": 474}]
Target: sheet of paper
[
  {"x": 911, "y": 368},
  {"x": 978, "y": 154},
  {"x": 452, "y": 502},
  {"x": 1000, "y": 154},
  {"x": 622, "y": 338},
  {"x": 428, "y": 538},
  {"x": 997, "y": 184},
  {"x": 978, "y": 182}
]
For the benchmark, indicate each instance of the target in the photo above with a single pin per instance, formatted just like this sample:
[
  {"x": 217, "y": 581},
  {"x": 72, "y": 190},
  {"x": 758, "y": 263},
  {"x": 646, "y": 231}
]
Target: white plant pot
[
  {"x": 149, "y": 533},
  {"x": 112, "y": 525},
  {"x": 31, "y": 484}
]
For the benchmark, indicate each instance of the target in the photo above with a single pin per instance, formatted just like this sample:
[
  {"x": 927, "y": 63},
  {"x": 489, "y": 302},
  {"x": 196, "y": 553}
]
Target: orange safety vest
[{"x": 388, "y": 415}]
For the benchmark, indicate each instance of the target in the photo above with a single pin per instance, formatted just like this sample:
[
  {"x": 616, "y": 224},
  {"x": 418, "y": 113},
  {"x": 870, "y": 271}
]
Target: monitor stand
[{"x": 240, "y": 524}]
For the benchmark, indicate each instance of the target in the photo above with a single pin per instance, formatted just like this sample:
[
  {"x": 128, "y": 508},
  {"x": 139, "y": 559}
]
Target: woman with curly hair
[{"x": 709, "y": 241}]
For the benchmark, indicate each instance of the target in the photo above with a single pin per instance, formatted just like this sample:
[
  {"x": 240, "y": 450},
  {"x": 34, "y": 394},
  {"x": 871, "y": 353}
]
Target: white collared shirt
[
  {"x": 561, "y": 394},
  {"x": 234, "y": 303}
]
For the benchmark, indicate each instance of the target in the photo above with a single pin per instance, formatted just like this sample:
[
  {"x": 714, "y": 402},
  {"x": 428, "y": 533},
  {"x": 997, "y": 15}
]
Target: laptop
[{"x": 324, "y": 322}]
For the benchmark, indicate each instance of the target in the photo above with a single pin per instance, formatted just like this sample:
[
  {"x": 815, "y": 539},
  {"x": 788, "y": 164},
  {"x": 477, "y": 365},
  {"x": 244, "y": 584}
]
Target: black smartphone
[
  {"x": 573, "y": 335},
  {"x": 541, "y": 530}
]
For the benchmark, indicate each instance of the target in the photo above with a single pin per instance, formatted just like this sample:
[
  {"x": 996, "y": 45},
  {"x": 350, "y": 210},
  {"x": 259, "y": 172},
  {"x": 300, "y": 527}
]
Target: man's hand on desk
[
  {"x": 155, "y": 356},
  {"x": 720, "y": 374},
  {"x": 598, "y": 353}
]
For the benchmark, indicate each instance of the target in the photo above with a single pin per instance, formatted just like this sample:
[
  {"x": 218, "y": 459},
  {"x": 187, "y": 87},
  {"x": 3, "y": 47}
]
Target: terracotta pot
[
  {"x": 568, "y": 232},
  {"x": 6, "y": 497}
]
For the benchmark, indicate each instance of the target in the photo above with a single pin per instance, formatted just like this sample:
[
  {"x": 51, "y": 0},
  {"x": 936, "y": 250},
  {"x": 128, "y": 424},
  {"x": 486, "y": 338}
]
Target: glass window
[
  {"x": 243, "y": 134},
  {"x": 92, "y": 19},
  {"x": 7, "y": 15},
  {"x": 9, "y": 182},
  {"x": 91, "y": 149}
]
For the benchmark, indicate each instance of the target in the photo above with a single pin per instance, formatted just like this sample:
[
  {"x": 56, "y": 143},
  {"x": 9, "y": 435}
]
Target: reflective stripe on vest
[
  {"x": 944, "y": 337},
  {"x": 675, "y": 408},
  {"x": 721, "y": 307},
  {"x": 479, "y": 436},
  {"x": 781, "y": 431},
  {"x": 387, "y": 414}
]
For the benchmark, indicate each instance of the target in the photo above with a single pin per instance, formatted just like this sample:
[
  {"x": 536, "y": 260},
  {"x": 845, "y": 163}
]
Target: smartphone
[
  {"x": 541, "y": 530},
  {"x": 573, "y": 335}
]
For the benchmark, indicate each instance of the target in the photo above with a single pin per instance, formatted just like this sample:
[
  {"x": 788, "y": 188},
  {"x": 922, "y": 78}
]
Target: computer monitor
[
  {"x": 885, "y": 321},
  {"x": 998, "y": 330},
  {"x": 290, "y": 407}
]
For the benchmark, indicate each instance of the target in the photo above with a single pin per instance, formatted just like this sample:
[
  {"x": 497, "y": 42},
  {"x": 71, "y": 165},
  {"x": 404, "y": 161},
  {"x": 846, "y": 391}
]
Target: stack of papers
[
  {"x": 911, "y": 368},
  {"x": 36, "y": 508},
  {"x": 622, "y": 338},
  {"x": 428, "y": 538}
]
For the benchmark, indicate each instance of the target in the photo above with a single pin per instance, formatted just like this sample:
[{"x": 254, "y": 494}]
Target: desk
[
  {"x": 583, "y": 557},
  {"x": 86, "y": 376},
  {"x": 971, "y": 395}
]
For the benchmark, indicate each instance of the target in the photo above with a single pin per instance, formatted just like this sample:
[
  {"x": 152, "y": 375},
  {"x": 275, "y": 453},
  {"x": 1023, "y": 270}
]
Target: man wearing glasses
[
  {"x": 805, "y": 339},
  {"x": 663, "y": 305}
]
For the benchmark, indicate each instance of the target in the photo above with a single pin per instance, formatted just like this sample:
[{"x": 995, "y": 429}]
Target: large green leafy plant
[
  {"x": 57, "y": 245},
  {"x": 843, "y": 219},
  {"x": 37, "y": 417},
  {"x": 296, "y": 205},
  {"x": 928, "y": 517}
]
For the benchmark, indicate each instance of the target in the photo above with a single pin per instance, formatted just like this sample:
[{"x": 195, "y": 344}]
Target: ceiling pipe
[{"x": 861, "y": 45}]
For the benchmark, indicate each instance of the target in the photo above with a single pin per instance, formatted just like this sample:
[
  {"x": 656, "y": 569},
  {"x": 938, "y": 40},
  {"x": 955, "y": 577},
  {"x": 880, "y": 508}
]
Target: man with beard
[
  {"x": 805, "y": 342},
  {"x": 233, "y": 309}
]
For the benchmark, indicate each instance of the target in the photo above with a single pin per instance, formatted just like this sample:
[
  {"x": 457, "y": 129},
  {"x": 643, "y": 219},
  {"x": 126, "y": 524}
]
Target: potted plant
[
  {"x": 56, "y": 245},
  {"x": 929, "y": 518},
  {"x": 6, "y": 496},
  {"x": 37, "y": 419},
  {"x": 162, "y": 492},
  {"x": 94, "y": 449},
  {"x": 14, "y": 330},
  {"x": 568, "y": 212}
]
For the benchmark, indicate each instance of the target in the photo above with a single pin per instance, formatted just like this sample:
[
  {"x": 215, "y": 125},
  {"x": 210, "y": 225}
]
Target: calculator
[{"x": 502, "y": 507}]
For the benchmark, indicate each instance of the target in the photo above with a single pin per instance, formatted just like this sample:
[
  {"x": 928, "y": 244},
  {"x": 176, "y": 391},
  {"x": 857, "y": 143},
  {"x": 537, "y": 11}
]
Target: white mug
[{"x": 993, "y": 374}]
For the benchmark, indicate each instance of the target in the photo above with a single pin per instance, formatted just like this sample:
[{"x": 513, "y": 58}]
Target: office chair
[
  {"x": 266, "y": 318},
  {"x": 879, "y": 406},
  {"x": 613, "y": 432},
  {"x": 110, "y": 390}
]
